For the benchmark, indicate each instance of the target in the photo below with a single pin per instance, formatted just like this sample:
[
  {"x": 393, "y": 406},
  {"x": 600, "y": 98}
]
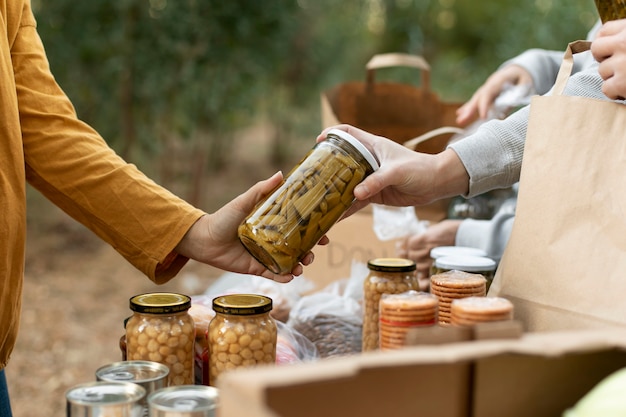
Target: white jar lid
[
  {"x": 440, "y": 251},
  {"x": 358, "y": 145},
  {"x": 466, "y": 263}
]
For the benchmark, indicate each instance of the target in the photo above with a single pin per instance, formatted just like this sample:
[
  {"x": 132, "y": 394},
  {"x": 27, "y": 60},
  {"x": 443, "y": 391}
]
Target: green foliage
[{"x": 148, "y": 72}]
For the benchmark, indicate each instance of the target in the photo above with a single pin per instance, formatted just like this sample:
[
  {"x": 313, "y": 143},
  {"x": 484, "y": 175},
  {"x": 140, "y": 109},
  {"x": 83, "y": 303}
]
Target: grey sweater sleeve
[{"x": 493, "y": 155}]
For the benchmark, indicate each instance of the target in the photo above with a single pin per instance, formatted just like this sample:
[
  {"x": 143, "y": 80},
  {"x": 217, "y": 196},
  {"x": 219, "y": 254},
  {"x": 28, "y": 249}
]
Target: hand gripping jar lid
[
  {"x": 358, "y": 146},
  {"x": 391, "y": 265},
  {"x": 160, "y": 303},
  {"x": 242, "y": 304}
]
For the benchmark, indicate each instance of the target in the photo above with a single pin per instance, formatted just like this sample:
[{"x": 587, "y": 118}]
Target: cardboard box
[
  {"x": 539, "y": 374},
  {"x": 354, "y": 239}
]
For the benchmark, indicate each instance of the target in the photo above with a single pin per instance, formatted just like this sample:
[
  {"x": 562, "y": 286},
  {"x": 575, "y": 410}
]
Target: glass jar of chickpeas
[
  {"x": 386, "y": 276},
  {"x": 161, "y": 330},
  {"x": 242, "y": 333}
]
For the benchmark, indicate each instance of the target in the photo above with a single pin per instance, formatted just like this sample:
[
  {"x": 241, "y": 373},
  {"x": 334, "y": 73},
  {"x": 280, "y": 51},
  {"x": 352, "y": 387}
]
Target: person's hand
[
  {"x": 405, "y": 177},
  {"x": 213, "y": 238},
  {"x": 417, "y": 247},
  {"x": 609, "y": 49},
  {"x": 483, "y": 99}
]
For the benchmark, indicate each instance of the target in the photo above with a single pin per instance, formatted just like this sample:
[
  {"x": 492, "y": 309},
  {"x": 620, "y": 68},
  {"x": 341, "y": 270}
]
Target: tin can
[
  {"x": 466, "y": 263},
  {"x": 161, "y": 330},
  {"x": 105, "y": 399},
  {"x": 315, "y": 194},
  {"x": 150, "y": 375},
  {"x": 242, "y": 333},
  {"x": 184, "y": 401},
  {"x": 386, "y": 276}
]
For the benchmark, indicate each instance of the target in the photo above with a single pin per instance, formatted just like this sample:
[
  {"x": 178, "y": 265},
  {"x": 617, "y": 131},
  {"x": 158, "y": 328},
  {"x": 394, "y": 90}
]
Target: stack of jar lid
[{"x": 402, "y": 312}]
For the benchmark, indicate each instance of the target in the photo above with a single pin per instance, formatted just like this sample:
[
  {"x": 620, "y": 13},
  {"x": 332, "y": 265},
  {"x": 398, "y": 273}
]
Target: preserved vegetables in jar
[
  {"x": 611, "y": 9},
  {"x": 161, "y": 330},
  {"x": 386, "y": 276},
  {"x": 242, "y": 333},
  {"x": 315, "y": 194}
]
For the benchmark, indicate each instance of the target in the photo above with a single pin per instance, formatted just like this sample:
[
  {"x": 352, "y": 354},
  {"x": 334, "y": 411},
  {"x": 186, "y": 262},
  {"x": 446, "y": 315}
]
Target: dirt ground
[{"x": 75, "y": 299}]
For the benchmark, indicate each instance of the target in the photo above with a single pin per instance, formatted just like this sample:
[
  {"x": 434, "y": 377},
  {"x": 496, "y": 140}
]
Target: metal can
[
  {"x": 149, "y": 375},
  {"x": 184, "y": 401},
  {"x": 386, "y": 276},
  {"x": 467, "y": 263},
  {"x": 315, "y": 194},
  {"x": 105, "y": 399},
  {"x": 242, "y": 333},
  {"x": 161, "y": 330}
]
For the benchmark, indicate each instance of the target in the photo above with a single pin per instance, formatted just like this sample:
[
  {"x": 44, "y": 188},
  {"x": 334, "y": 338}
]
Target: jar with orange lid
[
  {"x": 161, "y": 330},
  {"x": 242, "y": 333},
  {"x": 386, "y": 276}
]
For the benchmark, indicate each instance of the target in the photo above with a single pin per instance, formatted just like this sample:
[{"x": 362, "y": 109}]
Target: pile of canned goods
[{"x": 139, "y": 389}]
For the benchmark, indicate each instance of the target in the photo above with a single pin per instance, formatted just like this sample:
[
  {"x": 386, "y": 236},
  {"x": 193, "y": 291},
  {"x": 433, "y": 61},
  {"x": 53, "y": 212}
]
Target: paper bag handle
[
  {"x": 412, "y": 143},
  {"x": 568, "y": 63},
  {"x": 397, "y": 59}
]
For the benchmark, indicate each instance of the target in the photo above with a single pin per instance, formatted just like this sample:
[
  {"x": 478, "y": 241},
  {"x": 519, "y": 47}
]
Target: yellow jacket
[{"x": 43, "y": 142}]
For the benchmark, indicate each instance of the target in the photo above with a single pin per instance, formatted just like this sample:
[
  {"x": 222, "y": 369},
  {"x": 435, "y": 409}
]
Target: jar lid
[
  {"x": 440, "y": 251},
  {"x": 358, "y": 145},
  {"x": 242, "y": 304},
  {"x": 391, "y": 265},
  {"x": 160, "y": 303},
  {"x": 466, "y": 263}
]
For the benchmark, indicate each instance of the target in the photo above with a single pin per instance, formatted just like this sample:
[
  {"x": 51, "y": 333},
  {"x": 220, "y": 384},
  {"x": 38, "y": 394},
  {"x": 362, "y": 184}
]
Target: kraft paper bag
[
  {"x": 398, "y": 111},
  {"x": 565, "y": 264}
]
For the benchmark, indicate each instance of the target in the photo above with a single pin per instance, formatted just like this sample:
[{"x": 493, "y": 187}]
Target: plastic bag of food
[{"x": 293, "y": 347}]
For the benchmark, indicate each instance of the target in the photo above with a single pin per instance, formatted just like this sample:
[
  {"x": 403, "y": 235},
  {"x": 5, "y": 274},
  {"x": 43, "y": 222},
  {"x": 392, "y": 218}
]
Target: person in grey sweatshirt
[{"x": 532, "y": 72}]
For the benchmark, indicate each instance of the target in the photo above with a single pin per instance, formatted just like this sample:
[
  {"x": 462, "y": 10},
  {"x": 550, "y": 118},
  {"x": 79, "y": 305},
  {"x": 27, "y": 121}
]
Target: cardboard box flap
[{"x": 540, "y": 374}]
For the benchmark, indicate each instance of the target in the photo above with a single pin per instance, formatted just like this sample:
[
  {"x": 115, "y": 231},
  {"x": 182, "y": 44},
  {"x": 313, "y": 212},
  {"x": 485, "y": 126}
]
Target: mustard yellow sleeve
[{"x": 73, "y": 166}]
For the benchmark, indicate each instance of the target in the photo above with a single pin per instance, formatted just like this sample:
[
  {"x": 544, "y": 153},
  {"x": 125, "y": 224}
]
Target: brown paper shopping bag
[
  {"x": 398, "y": 111},
  {"x": 565, "y": 264}
]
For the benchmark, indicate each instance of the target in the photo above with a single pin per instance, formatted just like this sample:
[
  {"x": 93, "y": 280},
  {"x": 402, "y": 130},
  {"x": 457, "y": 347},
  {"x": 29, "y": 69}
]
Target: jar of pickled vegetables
[
  {"x": 242, "y": 333},
  {"x": 314, "y": 195},
  {"x": 161, "y": 330},
  {"x": 386, "y": 276}
]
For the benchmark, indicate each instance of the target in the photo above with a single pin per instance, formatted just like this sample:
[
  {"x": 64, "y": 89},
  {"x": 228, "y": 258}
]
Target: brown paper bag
[
  {"x": 397, "y": 111},
  {"x": 565, "y": 264}
]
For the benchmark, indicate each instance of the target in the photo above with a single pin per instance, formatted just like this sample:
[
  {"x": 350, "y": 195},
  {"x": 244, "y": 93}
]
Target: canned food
[
  {"x": 150, "y": 375},
  {"x": 184, "y": 401},
  {"x": 315, "y": 194},
  {"x": 242, "y": 333},
  {"x": 386, "y": 276},
  {"x": 472, "y": 264},
  {"x": 105, "y": 399},
  {"x": 161, "y": 330}
]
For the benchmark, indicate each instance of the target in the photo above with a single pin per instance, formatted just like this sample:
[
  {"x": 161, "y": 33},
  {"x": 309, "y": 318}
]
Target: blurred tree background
[{"x": 172, "y": 84}]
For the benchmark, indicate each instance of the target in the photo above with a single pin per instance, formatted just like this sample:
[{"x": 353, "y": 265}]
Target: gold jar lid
[
  {"x": 242, "y": 304},
  {"x": 391, "y": 265},
  {"x": 160, "y": 303}
]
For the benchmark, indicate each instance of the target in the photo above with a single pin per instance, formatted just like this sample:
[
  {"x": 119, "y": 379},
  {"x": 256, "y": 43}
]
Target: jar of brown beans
[
  {"x": 289, "y": 222},
  {"x": 161, "y": 330},
  {"x": 242, "y": 333},
  {"x": 386, "y": 276}
]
